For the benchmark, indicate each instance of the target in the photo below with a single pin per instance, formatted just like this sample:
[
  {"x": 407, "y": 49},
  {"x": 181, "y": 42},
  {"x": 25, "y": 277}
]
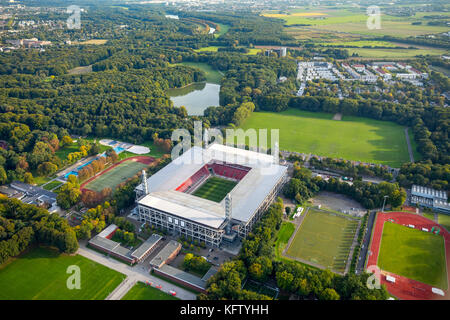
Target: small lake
[{"x": 196, "y": 97}]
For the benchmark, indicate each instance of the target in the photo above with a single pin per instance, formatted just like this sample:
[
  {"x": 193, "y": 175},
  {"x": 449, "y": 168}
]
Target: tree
[
  {"x": 329, "y": 294},
  {"x": 28, "y": 178},
  {"x": 3, "y": 176}
]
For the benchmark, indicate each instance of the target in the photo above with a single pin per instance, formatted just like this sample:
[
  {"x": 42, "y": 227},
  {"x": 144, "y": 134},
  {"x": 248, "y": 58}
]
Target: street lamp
[{"x": 384, "y": 202}]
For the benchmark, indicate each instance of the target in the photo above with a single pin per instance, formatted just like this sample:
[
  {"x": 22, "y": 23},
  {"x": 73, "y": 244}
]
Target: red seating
[{"x": 232, "y": 171}]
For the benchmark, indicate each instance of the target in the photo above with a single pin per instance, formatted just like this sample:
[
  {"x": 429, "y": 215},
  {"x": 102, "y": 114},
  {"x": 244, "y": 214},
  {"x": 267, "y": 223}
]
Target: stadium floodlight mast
[{"x": 384, "y": 202}]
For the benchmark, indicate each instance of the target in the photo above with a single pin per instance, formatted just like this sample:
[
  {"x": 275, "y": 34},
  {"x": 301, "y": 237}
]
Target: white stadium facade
[{"x": 165, "y": 200}]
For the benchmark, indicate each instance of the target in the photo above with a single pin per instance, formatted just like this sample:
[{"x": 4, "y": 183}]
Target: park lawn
[
  {"x": 208, "y": 49},
  {"x": 215, "y": 189},
  {"x": 212, "y": 75},
  {"x": 115, "y": 176},
  {"x": 155, "y": 151},
  {"x": 63, "y": 152},
  {"x": 223, "y": 28},
  {"x": 52, "y": 185},
  {"x": 352, "y": 138},
  {"x": 40, "y": 274},
  {"x": 414, "y": 254},
  {"x": 444, "y": 220},
  {"x": 141, "y": 291},
  {"x": 324, "y": 238}
]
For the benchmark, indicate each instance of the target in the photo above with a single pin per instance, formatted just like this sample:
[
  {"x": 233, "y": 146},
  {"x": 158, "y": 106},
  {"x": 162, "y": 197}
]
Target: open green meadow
[
  {"x": 215, "y": 189},
  {"x": 141, "y": 291},
  {"x": 117, "y": 175},
  {"x": 40, "y": 274},
  {"x": 223, "y": 28},
  {"x": 324, "y": 238},
  {"x": 351, "y": 138},
  {"x": 413, "y": 254},
  {"x": 212, "y": 75}
]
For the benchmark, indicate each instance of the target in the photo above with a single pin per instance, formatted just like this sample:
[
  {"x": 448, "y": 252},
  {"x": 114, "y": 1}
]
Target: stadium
[{"x": 211, "y": 194}]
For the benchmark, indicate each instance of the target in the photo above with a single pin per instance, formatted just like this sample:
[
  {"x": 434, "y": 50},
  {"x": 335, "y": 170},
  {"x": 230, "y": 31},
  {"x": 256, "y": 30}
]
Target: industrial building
[{"x": 103, "y": 242}]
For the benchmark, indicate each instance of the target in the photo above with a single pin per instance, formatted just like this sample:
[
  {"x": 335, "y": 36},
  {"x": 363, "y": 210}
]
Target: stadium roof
[{"x": 247, "y": 195}]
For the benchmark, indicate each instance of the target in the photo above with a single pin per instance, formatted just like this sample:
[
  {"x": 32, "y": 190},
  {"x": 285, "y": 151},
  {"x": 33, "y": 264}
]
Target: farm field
[
  {"x": 352, "y": 138},
  {"x": 413, "y": 254},
  {"x": 351, "y": 20},
  {"x": 215, "y": 189},
  {"x": 324, "y": 238},
  {"x": 115, "y": 176},
  {"x": 394, "y": 53},
  {"x": 140, "y": 291},
  {"x": 40, "y": 274}
]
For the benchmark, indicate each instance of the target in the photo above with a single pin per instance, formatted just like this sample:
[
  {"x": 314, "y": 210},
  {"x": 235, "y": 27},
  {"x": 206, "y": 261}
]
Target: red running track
[
  {"x": 404, "y": 288},
  {"x": 143, "y": 159}
]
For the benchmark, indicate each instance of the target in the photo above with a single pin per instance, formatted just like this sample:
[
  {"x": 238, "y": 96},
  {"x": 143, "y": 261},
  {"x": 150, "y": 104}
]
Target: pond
[{"x": 196, "y": 97}]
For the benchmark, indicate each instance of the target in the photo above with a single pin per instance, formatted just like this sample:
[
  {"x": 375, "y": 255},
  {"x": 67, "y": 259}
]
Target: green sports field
[
  {"x": 41, "y": 274},
  {"x": 352, "y": 138},
  {"x": 215, "y": 189},
  {"x": 444, "y": 220},
  {"x": 413, "y": 254},
  {"x": 141, "y": 291},
  {"x": 324, "y": 238},
  {"x": 112, "y": 178}
]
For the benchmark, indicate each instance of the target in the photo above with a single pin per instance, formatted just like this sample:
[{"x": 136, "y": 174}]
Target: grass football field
[
  {"x": 215, "y": 189},
  {"x": 40, "y": 274},
  {"x": 444, "y": 220},
  {"x": 324, "y": 238},
  {"x": 352, "y": 138},
  {"x": 141, "y": 291},
  {"x": 413, "y": 254},
  {"x": 115, "y": 176}
]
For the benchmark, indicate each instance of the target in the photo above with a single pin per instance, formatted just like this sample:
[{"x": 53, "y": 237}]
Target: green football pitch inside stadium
[
  {"x": 352, "y": 138},
  {"x": 215, "y": 189},
  {"x": 41, "y": 274},
  {"x": 324, "y": 238},
  {"x": 141, "y": 291},
  {"x": 414, "y": 254},
  {"x": 115, "y": 176}
]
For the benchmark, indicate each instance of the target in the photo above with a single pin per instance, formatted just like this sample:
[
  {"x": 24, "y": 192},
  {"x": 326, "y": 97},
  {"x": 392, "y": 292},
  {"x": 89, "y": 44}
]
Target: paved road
[
  {"x": 408, "y": 142},
  {"x": 134, "y": 274},
  {"x": 363, "y": 253}
]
